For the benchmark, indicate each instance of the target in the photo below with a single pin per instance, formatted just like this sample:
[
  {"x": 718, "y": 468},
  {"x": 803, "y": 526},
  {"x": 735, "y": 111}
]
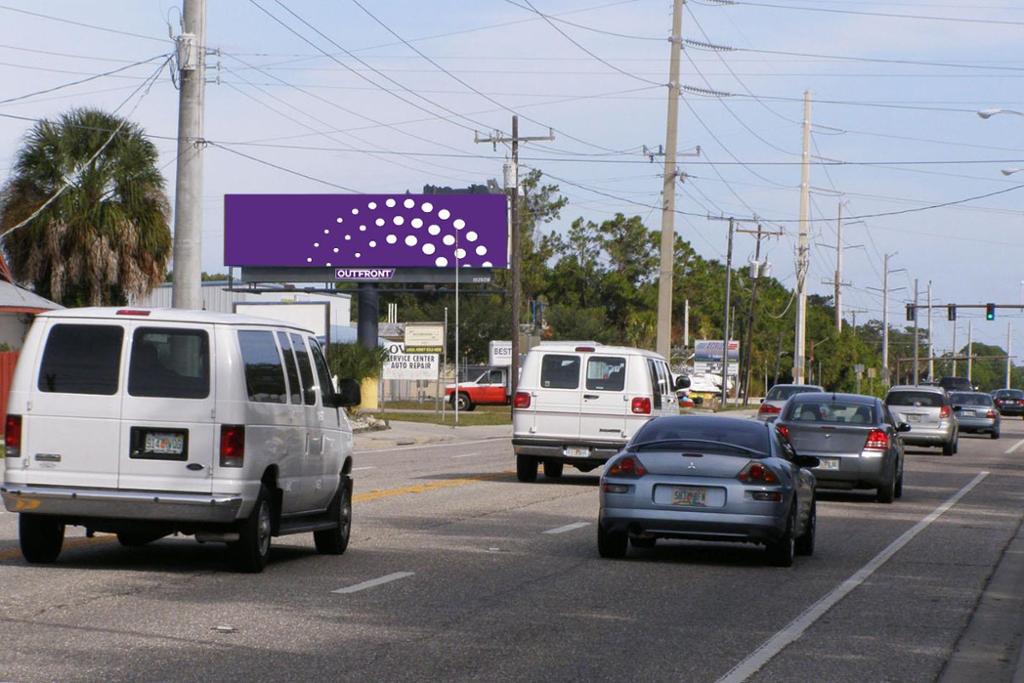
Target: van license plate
[
  {"x": 576, "y": 452},
  {"x": 163, "y": 443}
]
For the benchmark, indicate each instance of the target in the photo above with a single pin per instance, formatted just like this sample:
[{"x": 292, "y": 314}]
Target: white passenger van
[
  {"x": 580, "y": 402},
  {"x": 148, "y": 422}
]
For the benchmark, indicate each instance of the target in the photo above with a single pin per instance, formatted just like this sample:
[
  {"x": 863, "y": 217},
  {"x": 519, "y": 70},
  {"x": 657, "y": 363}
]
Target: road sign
[
  {"x": 424, "y": 337},
  {"x": 402, "y": 365}
]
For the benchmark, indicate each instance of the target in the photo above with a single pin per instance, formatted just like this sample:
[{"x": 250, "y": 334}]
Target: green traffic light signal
[{"x": 990, "y": 311}]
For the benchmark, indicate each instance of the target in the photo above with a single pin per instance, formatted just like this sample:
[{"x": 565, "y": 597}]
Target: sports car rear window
[
  {"x": 918, "y": 399},
  {"x": 560, "y": 372},
  {"x": 82, "y": 359}
]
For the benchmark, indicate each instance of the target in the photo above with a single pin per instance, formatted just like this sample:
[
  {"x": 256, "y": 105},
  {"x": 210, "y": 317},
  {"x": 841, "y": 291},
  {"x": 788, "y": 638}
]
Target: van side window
[
  {"x": 295, "y": 390},
  {"x": 652, "y": 369},
  {"x": 169, "y": 363},
  {"x": 305, "y": 370},
  {"x": 264, "y": 375},
  {"x": 322, "y": 371},
  {"x": 560, "y": 372},
  {"x": 606, "y": 373},
  {"x": 82, "y": 359},
  {"x": 665, "y": 378}
]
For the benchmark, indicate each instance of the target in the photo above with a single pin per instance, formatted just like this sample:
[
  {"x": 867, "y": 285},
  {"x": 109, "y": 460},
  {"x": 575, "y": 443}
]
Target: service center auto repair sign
[{"x": 401, "y": 365}]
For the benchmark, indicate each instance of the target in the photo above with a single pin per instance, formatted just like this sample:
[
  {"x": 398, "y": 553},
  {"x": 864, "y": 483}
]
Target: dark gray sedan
[
  {"x": 856, "y": 440},
  {"x": 708, "y": 478}
]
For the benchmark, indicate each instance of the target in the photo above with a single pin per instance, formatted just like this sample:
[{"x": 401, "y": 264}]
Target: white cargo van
[
  {"x": 579, "y": 402},
  {"x": 147, "y": 422}
]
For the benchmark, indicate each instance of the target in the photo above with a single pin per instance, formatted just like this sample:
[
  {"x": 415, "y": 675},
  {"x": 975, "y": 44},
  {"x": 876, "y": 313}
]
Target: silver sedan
[{"x": 708, "y": 478}]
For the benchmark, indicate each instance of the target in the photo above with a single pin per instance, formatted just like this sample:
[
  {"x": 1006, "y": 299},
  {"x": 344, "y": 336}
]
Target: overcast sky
[{"x": 908, "y": 96}]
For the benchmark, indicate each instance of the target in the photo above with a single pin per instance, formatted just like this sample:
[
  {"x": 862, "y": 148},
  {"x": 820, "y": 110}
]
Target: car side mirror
[
  {"x": 682, "y": 382},
  {"x": 349, "y": 394},
  {"x": 903, "y": 427},
  {"x": 760, "y": 400},
  {"x": 807, "y": 461}
]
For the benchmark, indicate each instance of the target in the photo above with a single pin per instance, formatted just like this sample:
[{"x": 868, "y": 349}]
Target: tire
[
  {"x": 464, "y": 403},
  {"x": 611, "y": 544},
  {"x": 137, "y": 539},
  {"x": 805, "y": 544},
  {"x": 994, "y": 435},
  {"x": 526, "y": 468},
  {"x": 335, "y": 541},
  {"x": 250, "y": 552},
  {"x": 886, "y": 493},
  {"x": 41, "y": 537},
  {"x": 553, "y": 468},
  {"x": 780, "y": 553},
  {"x": 948, "y": 448},
  {"x": 899, "y": 486},
  {"x": 643, "y": 542}
]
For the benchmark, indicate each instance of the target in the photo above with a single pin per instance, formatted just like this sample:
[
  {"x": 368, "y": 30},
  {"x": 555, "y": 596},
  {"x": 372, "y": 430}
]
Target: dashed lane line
[
  {"x": 1015, "y": 446},
  {"x": 568, "y": 527},
  {"x": 373, "y": 583}
]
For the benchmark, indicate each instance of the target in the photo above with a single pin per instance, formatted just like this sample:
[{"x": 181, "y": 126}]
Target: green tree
[{"x": 106, "y": 236}]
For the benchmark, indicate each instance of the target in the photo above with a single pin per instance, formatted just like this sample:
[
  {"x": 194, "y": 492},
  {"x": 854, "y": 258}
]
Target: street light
[{"x": 989, "y": 113}]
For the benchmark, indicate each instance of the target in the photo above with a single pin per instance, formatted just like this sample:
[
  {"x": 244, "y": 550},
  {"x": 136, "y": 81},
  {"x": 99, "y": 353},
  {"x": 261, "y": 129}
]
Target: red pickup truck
[{"x": 489, "y": 389}]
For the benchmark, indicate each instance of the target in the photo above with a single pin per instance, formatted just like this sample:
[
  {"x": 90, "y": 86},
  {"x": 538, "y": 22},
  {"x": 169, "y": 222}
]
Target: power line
[
  {"x": 281, "y": 168},
  {"x": 584, "y": 27},
  {"x": 81, "y": 80},
  {"x": 106, "y": 29},
  {"x": 887, "y": 15}
]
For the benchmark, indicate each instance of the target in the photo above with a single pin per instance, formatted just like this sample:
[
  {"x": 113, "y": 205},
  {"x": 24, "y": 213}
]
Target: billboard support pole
[
  {"x": 456, "y": 394},
  {"x": 369, "y": 314}
]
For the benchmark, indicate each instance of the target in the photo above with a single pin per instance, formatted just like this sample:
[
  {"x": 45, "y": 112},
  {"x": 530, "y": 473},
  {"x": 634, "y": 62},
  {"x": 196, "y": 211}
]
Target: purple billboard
[{"x": 366, "y": 231}]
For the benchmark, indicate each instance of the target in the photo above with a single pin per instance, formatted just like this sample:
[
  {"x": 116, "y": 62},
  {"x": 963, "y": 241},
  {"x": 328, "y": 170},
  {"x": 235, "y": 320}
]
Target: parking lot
[{"x": 456, "y": 571}]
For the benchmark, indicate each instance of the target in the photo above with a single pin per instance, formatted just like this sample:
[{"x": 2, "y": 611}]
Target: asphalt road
[{"x": 458, "y": 572}]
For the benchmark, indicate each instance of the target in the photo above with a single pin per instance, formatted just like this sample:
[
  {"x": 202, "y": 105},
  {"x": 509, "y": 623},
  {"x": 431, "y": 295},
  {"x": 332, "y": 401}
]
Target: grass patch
[{"x": 476, "y": 418}]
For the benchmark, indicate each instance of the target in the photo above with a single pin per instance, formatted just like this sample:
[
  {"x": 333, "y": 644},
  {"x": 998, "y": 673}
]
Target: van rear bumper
[
  {"x": 134, "y": 505},
  {"x": 600, "y": 451}
]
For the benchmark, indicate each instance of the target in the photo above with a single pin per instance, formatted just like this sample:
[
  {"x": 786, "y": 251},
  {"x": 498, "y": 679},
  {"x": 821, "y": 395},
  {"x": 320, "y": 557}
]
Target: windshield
[
  {"x": 965, "y": 399},
  {"x": 783, "y": 393},
  {"x": 706, "y": 436},
  {"x": 832, "y": 412},
  {"x": 918, "y": 399}
]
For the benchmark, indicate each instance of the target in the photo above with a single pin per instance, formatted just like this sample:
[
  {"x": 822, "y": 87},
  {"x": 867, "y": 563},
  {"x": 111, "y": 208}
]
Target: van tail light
[
  {"x": 756, "y": 473},
  {"x": 133, "y": 311},
  {"x": 12, "y": 436},
  {"x": 783, "y": 431},
  {"x": 629, "y": 466},
  {"x": 232, "y": 445},
  {"x": 768, "y": 409},
  {"x": 585, "y": 349},
  {"x": 990, "y": 414},
  {"x": 877, "y": 441},
  {"x": 522, "y": 399},
  {"x": 945, "y": 412},
  {"x": 641, "y": 405}
]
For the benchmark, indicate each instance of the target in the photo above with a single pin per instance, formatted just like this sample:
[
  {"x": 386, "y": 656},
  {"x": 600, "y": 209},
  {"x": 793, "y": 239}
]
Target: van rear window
[
  {"x": 264, "y": 375},
  {"x": 169, "y": 363},
  {"x": 82, "y": 359},
  {"x": 606, "y": 373},
  {"x": 560, "y": 372}
]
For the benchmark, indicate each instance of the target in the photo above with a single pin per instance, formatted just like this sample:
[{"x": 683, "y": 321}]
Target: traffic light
[
  {"x": 911, "y": 312},
  {"x": 990, "y": 311},
  {"x": 951, "y": 311}
]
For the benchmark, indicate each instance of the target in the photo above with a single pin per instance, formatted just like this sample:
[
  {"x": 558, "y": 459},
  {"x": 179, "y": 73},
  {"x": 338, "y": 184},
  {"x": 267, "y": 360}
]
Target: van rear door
[
  {"x": 70, "y": 431},
  {"x": 168, "y": 435},
  {"x": 603, "y": 415},
  {"x": 558, "y": 396}
]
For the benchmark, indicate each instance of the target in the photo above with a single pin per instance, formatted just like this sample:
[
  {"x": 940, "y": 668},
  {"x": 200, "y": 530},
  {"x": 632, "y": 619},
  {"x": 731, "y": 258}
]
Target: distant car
[
  {"x": 1009, "y": 401},
  {"x": 856, "y": 440},
  {"x": 708, "y": 479},
  {"x": 489, "y": 389},
  {"x": 956, "y": 384},
  {"x": 976, "y": 412},
  {"x": 777, "y": 396},
  {"x": 929, "y": 413}
]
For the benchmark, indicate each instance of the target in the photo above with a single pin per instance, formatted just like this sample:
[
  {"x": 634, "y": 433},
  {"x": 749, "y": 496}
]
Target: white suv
[{"x": 147, "y": 422}]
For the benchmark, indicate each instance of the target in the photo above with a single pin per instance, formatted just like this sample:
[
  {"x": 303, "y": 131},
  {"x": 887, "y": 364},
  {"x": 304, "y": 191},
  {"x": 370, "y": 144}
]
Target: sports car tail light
[
  {"x": 945, "y": 412},
  {"x": 12, "y": 436},
  {"x": 628, "y": 466},
  {"x": 232, "y": 445},
  {"x": 990, "y": 414},
  {"x": 522, "y": 399},
  {"x": 756, "y": 473},
  {"x": 768, "y": 409},
  {"x": 877, "y": 441},
  {"x": 783, "y": 431},
  {"x": 641, "y": 405},
  {"x": 617, "y": 488}
]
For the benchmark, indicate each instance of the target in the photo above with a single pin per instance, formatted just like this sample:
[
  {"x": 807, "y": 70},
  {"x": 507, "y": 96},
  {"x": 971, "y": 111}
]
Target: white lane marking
[
  {"x": 372, "y": 583},
  {"x": 368, "y": 467},
  {"x": 567, "y": 527},
  {"x": 796, "y": 628},
  {"x": 445, "y": 444},
  {"x": 1015, "y": 446},
  {"x": 468, "y": 455}
]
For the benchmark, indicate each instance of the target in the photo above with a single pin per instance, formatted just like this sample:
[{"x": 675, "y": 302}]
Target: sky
[{"x": 895, "y": 86}]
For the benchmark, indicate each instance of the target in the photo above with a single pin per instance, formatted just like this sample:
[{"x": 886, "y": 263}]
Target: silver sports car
[{"x": 708, "y": 478}]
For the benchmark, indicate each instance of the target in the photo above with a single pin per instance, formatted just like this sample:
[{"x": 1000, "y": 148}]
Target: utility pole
[
  {"x": 885, "y": 314},
  {"x": 746, "y": 348},
  {"x": 955, "y": 350},
  {"x": 515, "y": 260},
  {"x": 803, "y": 249},
  {"x": 188, "y": 191},
  {"x": 970, "y": 351},
  {"x": 917, "y": 376},
  {"x": 725, "y": 336},
  {"x": 668, "y": 190},
  {"x": 686, "y": 324},
  {"x": 931, "y": 347},
  {"x": 839, "y": 268},
  {"x": 1009, "y": 352}
]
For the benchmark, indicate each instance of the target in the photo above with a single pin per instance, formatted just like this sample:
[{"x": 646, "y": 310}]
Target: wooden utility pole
[
  {"x": 746, "y": 348},
  {"x": 803, "y": 249},
  {"x": 725, "y": 326}
]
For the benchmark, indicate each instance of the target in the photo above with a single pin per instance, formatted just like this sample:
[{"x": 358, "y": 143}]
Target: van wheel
[
  {"x": 135, "y": 539},
  {"x": 41, "y": 538},
  {"x": 250, "y": 552},
  {"x": 553, "y": 468},
  {"x": 526, "y": 468},
  {"x": 464, "y": 403},
  {"x": 335, "y": 541}
]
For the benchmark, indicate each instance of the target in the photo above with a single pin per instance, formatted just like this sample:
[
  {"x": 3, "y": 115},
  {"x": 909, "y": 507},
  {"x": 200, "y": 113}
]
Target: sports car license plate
[
  {"x": 577, "y": 452},
  {"x": 163, "y": 443},
  {"x": 690, "y": 495},
  {"x": 828, "y": 463}
]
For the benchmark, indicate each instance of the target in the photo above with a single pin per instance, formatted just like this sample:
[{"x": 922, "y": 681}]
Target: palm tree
[{"x": 106, "y": 236}]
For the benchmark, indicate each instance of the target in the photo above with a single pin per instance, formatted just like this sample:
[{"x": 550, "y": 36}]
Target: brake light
[
  {"x": 232, "y": 445},
  {"x": 132, "y": 311},
  {"x": 641, "y": 405},
  {"x": 783, "y": 431},
  {"x": 584, "y": 349},
  {"x": 945, "y": 412},
  {"x": 769, "y": 409},
  {"x": 990, "y": 414},
  {"x": 522, "y": 399},
  {"x": 755, "y": 472},
  {"x": 628, "y": 466},
  {"x": 877, "y": 441},
  {"x": 12, "y": 436}
]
